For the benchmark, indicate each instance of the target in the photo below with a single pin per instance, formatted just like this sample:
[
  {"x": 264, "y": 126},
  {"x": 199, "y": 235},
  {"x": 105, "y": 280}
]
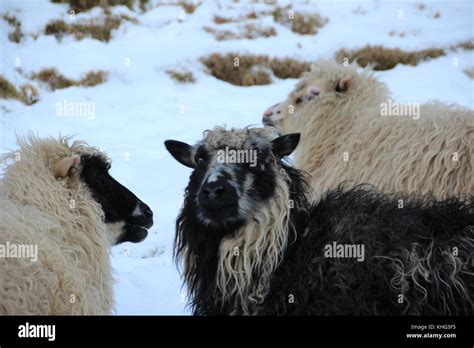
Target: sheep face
[
  {"x": 327, "y": 85},
  {"x": 234, "y": 173},
  {"x": 127, "y": 217}
]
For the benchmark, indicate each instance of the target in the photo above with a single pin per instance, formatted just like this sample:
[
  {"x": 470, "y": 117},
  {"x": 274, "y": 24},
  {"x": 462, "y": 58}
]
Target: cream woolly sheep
[
  {"x": 347, "y": 135},
  {"x": 60, "y": 206}
]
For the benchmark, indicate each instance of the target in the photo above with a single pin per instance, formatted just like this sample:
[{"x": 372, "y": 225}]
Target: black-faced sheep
[
  {"x": 252, "y": 242},
  {"x": 352, "y": 131},
  {"x": 60, "y": 212}
]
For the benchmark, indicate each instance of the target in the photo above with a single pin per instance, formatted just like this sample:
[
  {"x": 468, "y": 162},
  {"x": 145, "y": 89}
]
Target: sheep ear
[
  {"x": 344, "y": 84},
  {"x": 66, "y": 166},
  {"x": 182, "y": 152},
  {"x": 285, "y": 145},
  {"x": 312, "y": 92}
]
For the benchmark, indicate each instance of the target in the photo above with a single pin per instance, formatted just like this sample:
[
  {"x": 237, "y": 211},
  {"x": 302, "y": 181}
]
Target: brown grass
[
  {"x": 251, "y": 15},
  {"x": 143, "y": 5},
  {"x": 387, "y": 58},
  {"x": 252, "y": 69},
  {"x": 189, "y": 7},
  {"x": 181, "y": 76},
  {"x": 99, "y": 31},
  {"x": 469, "y": 72},
  {"x": 55, "y": 80},
  {"x": 27, "y": 94},
  {"x": 300, "y": 23},
  {"x": 466, "y": 45},
  {"x": 221, "y": 20},
  {"x": 248, "y": 31},
  {"x": 16, "y": 35},
  {"x": 84, "y": 5}
]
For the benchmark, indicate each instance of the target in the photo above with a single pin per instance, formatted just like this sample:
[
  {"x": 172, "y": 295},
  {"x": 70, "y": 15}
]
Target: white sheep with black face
[
  {"x": 347, "y": 134},
  {"x": 61, "y": 206}
]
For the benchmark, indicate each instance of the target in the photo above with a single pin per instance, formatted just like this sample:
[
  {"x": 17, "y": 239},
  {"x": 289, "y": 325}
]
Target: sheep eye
[
  {"x": 108, "y": 165},
  {"x": 199, "y": 160},
  {"x": 298, "y": 100}
]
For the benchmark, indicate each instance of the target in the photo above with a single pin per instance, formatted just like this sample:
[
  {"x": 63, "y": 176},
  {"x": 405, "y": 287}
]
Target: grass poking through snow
[
  {"x": 181, "y": 76},
  {"x": 469, "y": 72},
  {"x": 55, "y": 80},
  {"x": 466, "y": 45},
  {"x": 97, "y": 29},
  {"x": 387, "y": 58},
  {"x": 27, "y": 94},
  {"x": 299, "y": 22},
  {"x": 85, "y": 5},
  {"x": 249, "y": 70},
  {"x": 16, "y": 35},
  {"x": 247, "y": 31}
]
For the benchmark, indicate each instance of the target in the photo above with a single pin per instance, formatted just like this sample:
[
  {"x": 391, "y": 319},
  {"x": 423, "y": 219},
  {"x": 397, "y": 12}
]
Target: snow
[{"x": 140, "y": 106}]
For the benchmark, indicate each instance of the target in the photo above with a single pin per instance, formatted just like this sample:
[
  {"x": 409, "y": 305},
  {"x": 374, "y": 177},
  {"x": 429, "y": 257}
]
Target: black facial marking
[
  {"x": 118, "y": 203},
  {"x": 181, "y": 152},
  {"x": 285, "y": 145},
  {"x": 201, "y": 156}
]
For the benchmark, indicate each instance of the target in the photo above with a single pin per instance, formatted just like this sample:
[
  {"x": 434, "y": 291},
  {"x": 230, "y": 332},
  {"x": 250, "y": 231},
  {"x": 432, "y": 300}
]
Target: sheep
[
  {"x": 352, "y": 131},
  {"x": 60, "y": 211},
  {"x": 252, "y": 241}
]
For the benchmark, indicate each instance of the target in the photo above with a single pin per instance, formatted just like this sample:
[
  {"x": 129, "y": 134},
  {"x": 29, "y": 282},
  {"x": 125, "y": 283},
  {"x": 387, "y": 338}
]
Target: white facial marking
[
  {"x": 213, "y": 177},
  {"x": 137, "y": 211}
]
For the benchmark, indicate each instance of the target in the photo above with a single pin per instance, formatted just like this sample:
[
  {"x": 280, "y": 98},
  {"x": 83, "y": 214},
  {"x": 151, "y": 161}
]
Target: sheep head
[{"x": 328, "y": 88}]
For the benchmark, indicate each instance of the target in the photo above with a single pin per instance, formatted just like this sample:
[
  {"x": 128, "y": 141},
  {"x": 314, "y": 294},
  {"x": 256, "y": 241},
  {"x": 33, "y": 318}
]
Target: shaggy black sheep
[{"x": 253, "y": 242}]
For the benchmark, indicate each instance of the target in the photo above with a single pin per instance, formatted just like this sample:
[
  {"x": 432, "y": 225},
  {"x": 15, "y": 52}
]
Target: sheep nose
[
  {"x": 146, "y": 210},
  {"x": 145, "y": 218},
  {"x": 268, "y": 113},
  {"x": 213, "y": 192},
  {"x": 217, "y": 193}
]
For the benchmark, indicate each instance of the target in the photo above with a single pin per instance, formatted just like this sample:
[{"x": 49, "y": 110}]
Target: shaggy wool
[{"x": 72, "y": 274}]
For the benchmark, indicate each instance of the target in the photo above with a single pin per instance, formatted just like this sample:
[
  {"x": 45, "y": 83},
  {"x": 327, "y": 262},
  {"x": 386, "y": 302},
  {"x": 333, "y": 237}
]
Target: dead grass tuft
[
  {"x": 16, "y": 35},
  {"x": 93, "y": 78},
  {"x": 251, "y": 15},
  {"x": 298, "y": 22},
  {"x": 248, "y": 31},
  {"x": 288, "y": 68},
  {"x": 181, "y": 76},
  {"x": 189, "y": 7},
  {"x": 387, "y": 58},
  {"x": 84, "y": 5},
  {"x": 101, "y": 31},
  {"x": 55, "y": 80},
  {"x": 27, "y": 94},
  {"x": 469, "y": 72},
  {"x": 221, "y": 20},
  {"x": 466, "y": 45},
  {"x": 249, "y": 70},
  {"x": 143, "y": 5}
]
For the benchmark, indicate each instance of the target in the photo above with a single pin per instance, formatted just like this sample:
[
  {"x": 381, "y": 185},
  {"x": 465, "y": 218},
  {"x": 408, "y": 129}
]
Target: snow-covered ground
[{"x": 140, "y": 106}]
